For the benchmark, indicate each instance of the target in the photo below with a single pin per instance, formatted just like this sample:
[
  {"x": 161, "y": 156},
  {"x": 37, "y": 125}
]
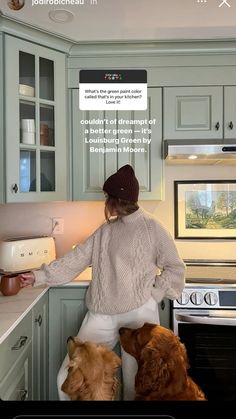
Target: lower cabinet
[
  {"x": 17, "y": 384},
  {"x": 16, "y": 362},
  {"x": 66, "y": 312},
  {"x": 24, "y": 357},
  {"x": 40, "y": 349}
]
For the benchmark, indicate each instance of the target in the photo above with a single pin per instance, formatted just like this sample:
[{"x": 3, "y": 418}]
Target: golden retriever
[
  {"x": 162, "y": 364},
  {"x": 91, "y": 371}
]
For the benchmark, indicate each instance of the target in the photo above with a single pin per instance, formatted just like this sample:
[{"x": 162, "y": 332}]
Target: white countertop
[{"x": 15, "y": 307}]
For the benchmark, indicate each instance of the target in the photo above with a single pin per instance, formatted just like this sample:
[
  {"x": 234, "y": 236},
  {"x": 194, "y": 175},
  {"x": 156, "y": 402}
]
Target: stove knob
[
  {"x": 196, "y": 298},
  {"x": 183, "y": 299},
  {"x": 210, "y": 298}
]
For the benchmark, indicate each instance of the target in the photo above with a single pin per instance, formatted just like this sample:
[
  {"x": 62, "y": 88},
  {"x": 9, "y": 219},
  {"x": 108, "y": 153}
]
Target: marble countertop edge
[
  {"x": 19, "y": 315},
  {"x": 14, "y": 308}
]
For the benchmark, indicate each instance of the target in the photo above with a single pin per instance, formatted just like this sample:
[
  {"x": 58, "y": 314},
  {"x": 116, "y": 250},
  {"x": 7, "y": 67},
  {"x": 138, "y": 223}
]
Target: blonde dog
[{"x": 91, "y": 372}]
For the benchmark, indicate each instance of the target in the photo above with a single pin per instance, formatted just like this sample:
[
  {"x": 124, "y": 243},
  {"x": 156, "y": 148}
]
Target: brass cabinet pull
[
  {"x": 39, "y": 320},
  {"x": 20, "y": 343}
]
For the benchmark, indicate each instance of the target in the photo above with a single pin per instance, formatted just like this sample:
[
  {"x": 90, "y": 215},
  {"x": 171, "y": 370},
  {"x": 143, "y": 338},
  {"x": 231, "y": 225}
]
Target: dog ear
[
  {"x": 153, "y": 370},
  {"x": 71, "y": 344},
  {"x": 73, "y": 382}
]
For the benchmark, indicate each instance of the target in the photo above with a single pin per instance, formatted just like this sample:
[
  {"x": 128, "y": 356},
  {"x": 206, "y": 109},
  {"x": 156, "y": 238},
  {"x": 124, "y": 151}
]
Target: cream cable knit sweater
[{"x": 124, "y": 255}]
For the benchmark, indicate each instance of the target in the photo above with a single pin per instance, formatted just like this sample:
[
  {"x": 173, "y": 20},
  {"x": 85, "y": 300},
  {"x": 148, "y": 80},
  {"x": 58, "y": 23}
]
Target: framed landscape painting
[{"x": 205, "y": 209}]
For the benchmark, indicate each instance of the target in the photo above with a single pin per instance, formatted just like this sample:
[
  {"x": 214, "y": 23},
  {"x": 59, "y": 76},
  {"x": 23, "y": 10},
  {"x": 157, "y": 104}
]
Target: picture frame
[{"x": 205, "y": 209}]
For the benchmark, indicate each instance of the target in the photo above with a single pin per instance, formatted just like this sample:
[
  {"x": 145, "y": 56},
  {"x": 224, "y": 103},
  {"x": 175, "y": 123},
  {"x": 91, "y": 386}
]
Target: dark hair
[{"x": 121, "y": 206}]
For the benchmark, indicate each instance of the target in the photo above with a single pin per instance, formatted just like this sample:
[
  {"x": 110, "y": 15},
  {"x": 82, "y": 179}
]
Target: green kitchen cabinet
[
  {"x": 17, "y": 384},
  {"x": 66, "y": 312},
  {"x": 35, "y": 122},
  {"x": 16, "y": 362},
  {"x": 24, "y": 357},
  {"x": 91, "y": 168},
  {"x": 229, "y": 112},
  {"x": 207, "y": 112},
  {"x": 40, "y": 348}
]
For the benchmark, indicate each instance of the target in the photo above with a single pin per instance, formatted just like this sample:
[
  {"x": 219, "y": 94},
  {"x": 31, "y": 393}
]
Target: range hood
[{"x": 199, "y": 151}]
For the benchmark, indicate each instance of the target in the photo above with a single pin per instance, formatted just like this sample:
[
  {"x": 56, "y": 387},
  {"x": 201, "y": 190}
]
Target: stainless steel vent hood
[{"x": 199, "y": 151}]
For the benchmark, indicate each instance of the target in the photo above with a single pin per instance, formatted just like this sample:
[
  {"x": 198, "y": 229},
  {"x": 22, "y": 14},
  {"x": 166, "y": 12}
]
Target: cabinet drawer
[
  {"x": 14, "y": 344},
  {"x": 17, "y": 384}
]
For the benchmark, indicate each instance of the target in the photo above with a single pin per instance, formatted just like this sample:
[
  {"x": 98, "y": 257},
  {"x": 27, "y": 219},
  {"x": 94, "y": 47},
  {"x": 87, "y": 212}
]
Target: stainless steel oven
[{"x": 204, "y": 318}]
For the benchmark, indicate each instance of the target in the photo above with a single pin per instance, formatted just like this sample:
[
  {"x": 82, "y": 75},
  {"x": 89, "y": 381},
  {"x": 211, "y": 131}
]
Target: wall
[
  {"x": 195, "y": 249},
  {"x": 82, "y": 218}
]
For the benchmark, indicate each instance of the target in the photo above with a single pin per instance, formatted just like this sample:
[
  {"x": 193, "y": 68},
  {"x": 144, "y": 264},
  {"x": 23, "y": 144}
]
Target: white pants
[{"x": 101, "y": 328}]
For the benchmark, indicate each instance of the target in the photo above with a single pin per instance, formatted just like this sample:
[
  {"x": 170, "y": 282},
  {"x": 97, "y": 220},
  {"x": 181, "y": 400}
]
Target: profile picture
[{"x": 16, "y": 4}]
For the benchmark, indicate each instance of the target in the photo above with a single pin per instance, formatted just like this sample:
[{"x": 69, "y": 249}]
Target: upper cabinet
[
  {"x": 230, "y": 112},
  {"x": 200, "y": 112},
  {"x": 100, "y": 150},
  {"x": 35, "y": 123}
]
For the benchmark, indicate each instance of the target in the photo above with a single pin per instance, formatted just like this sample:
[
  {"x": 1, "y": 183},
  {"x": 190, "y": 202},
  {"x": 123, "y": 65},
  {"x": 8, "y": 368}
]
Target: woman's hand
[{"x": 26, "y": 279}]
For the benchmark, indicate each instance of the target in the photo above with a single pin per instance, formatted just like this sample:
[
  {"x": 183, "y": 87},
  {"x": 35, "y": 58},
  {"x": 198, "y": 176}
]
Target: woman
[{"x": 125, "y": 253}]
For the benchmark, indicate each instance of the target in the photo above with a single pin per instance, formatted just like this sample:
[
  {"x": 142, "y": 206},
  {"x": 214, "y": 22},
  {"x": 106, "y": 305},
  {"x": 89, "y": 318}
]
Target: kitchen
[{"x": 170, "y": 66}]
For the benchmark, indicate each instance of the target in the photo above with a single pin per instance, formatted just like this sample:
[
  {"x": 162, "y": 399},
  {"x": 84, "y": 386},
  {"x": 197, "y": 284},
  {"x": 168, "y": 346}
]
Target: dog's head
[
  {"x": 91, "y": 371},
  {"x": 161, "y": 357}
]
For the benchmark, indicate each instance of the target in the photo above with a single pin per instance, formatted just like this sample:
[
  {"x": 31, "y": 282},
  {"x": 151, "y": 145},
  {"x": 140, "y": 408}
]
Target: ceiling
[{"x": 131, "y": 20}]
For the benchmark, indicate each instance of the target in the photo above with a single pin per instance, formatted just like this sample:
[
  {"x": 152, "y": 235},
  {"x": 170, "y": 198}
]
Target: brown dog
[
  {"x": 92, "y": 371},
  {"x": 162, "y": 364}
]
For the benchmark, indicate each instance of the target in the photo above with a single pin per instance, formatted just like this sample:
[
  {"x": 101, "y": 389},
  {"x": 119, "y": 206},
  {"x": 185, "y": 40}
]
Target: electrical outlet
[{"x": 58, "y": 225}]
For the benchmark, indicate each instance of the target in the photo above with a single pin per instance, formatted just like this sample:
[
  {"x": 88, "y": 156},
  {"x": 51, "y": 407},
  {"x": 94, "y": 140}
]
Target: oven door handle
[{"x": 224, "y": 321}]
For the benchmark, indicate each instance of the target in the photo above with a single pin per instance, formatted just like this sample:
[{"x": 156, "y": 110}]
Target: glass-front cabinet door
[{"x": 36, "y": 140}]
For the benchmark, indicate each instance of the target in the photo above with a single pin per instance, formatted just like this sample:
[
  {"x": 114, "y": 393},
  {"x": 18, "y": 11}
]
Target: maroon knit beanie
[{"x": 123, "y": 184}]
